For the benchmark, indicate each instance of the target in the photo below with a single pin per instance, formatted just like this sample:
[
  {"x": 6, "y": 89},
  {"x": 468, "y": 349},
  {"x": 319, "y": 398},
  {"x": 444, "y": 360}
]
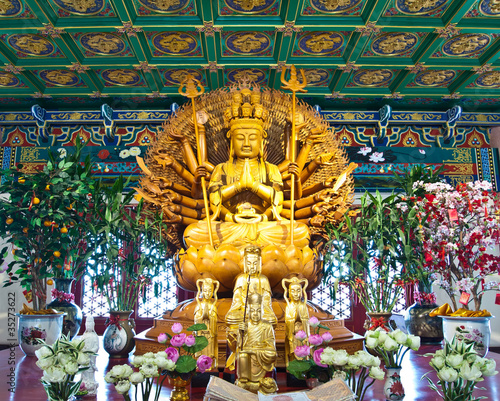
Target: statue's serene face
[
  {"x": 252, "y": 263},
  {"x": 295, "y": 292},
  {"x": 255, "y": 311},
  {"x": 207, "y": 291},
  {"x": 246, "y": 142}
]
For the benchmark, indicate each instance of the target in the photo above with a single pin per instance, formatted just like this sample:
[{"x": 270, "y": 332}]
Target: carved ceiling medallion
[
  {"x": 320, "y": 43},
  {"x": 249, "y": 6},
  {"x": 175, "y": 43},
  {"x": 59, "y": 77},
  {"x": 435, "y": 77},
  {"x": 121, "y": 77},
  {"x": 8, "y": 80},
  {"x": 394, "y": 43},
  {"x": 466, "y": 44},
  {"x": 175, "y": 76},
  {"x": 334, "y": 6},
  {"x": 419, "y": 7},
  {"x": 165, "y": 6},
  {"x": 103, "y": 43},
  {"x": 255, "y": 75},
  {"x": 490, "y": 7},
  {"x": 315, "y": 76},
  {"x": 81, "y": 7},
  {"x": 248, "y": 42},
  {"x": 10, "y": 8},
  {"x": 489, "y": 80},
  {"x": 372, "y": 77},
  {"x": 31, "y": 44}
]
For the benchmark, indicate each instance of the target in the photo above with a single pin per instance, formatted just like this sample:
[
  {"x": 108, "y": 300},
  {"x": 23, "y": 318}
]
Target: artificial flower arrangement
[
  {"x": 44, "y": 217},
  {"x": 366, "y": 254},
  {"x": 61, "y": 362},
  {"x": 458, "y": 228},
  {"x": 177, "y": 361},
  {"x": 459, "y": 368},
  {"x": 314, "y": 361},
  {"x": 391, "y": 346}
]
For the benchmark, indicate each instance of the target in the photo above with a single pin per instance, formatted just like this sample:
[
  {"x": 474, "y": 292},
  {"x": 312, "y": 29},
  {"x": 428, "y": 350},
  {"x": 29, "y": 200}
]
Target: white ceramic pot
[
  {"x": 30, "y": 328},
  {"x": 469, "y": 329},
  {"x": 393, "y": 388}
]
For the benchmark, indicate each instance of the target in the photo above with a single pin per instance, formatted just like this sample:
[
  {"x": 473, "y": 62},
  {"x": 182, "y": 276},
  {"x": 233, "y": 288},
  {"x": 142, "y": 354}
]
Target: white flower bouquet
[
  {"x": 391, "y": 346},
  {"x": 61, "y": 362},
  {"x": 459, "y": 368},
  {"x": 150, "y": 365}
]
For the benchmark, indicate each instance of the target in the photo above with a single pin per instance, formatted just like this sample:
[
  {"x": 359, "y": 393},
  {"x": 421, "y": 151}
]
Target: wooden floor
[{"x": 26, "y": 376}]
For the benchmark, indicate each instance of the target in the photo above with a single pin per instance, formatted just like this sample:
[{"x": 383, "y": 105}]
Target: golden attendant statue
[
  {"x": 257, "y": 354},
  {"x": 206, "y": 312},
  {"x": 296, "y": 313}
]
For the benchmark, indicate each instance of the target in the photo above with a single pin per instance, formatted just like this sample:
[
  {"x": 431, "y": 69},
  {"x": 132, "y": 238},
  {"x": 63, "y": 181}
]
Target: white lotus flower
[
  {"x": 136, "y": 378},
  {"x": 377, "y": 373},
  {"x": 413, "y": 342},
  {"x": 54, "y": 374},
  {"x": 399, "y": 336},
  {"x": 447, "y": 374},
  {"x": 64, "y": 358},
  {"x": 109, "y": 378},
  {"x": 170, "y": 365},
  {"x": 340, "y": 357},
  {"x": 365, "y": 358},
  {"x": 138, "y": 360},
  {"x": 71, "y": 368},
  {"x": 489, "y": 367},
  {"x": 122, "y": 387},
  {"x": 45, "y": 363},
  {"x": 43, "y": 352},
  {"x": 83, "y": 359},
  {"x": 149, "y": 370},
  {"x": 455, "y": 360},
  {"x": 470, "y": 372},
  {"x": 437, "y": 362},
  {"x": 390, "y": 344},
  {"x": 371, "y": 342}
]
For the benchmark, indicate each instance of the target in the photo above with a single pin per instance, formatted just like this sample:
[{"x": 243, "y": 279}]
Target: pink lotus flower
[
  {"x": 204, "y": 363},
  {"x": 176, "y": 328},
  {"x": 190, "y": 341},
  {"x": 162, "y": 338},
  {"x": 317, "y": 358},
  {"x": 302, "y": 351},
  {"x": 172, "y": 354},
  {"x": 315, "y": 339},
  {"x": 301, "y": 335},
  {"x": 313, "y": 321},
  {"x": 327, "y": 337},
  {"x": 178, "y": 340}
]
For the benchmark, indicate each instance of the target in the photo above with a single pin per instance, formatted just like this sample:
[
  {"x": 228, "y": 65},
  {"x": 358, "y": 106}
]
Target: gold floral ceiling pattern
[{"x": 355, "y": 53}]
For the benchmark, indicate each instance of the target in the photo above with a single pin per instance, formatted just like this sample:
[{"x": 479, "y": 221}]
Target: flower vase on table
[
  {"x": 393, "y": 387},
  {"x": 378, "y": 319},
  {"x": 63, "y": 301},
  {"x": 118, "y": 339},
  {"x": 180, "y": 388},
  {"x": 32, "y": 328},
  {"x": 474, "y": 330}
]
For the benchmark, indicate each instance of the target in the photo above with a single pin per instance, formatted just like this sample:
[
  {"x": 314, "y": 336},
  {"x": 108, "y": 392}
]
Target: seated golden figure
[
  {"x": 252, "y": 281},
  {"x": 257, "y": 354},
  {"x": 246, "y": 192},
  {"x": 296, "y": 314},
  {"x": 206, "y": 312}
]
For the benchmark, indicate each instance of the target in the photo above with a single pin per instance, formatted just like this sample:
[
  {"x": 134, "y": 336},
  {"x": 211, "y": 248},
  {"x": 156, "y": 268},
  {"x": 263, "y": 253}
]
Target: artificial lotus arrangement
[{"x": 391, "y": 346}]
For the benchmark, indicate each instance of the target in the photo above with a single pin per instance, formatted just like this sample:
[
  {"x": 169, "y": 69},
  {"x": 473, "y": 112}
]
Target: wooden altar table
[{"x": 28, "y": 387}]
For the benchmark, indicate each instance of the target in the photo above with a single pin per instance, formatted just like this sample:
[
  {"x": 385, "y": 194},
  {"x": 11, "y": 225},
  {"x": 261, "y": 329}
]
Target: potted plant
[
  {"x": 42, "y": 215},
  {"x": 178, "y": 363},
  {"x": 368, "y": 254},
  {"x": 417, "y": 319},
  {"x": 130, "y": 251},
  {"x": 460, "y": 227}
]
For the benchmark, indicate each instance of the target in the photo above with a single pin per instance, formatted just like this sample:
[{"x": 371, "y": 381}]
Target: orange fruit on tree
[
  {"x": 10, "y": 220},
  {"x": 50, "y": 281},
  {"x": 64, "y": 230},
  {"x": 21, "y": 180},
  {"x": 47, "y": 223},
  {"x": 25, "y": 230},
  {"x": 47, "y": 188},
  {"x": 36, "y": 201},
  {"x": 57, "y": 254}
]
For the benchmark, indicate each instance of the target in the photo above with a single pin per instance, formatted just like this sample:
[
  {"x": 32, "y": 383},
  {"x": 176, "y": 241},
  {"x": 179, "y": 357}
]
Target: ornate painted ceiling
[{"x": 357, "y": 54}]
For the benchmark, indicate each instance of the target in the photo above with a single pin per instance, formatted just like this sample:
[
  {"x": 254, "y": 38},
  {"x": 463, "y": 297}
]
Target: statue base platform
[{"x": 146, "y": 341}]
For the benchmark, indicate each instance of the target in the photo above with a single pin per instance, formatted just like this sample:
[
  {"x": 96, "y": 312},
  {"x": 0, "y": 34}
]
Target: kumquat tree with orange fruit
[{"x": 43, "y": 218}]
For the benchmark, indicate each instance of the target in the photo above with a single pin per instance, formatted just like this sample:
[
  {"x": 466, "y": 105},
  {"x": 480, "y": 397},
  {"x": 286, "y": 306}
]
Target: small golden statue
[
  {"x": 256, "y": 354},
  {"x": 296, "y": 313},
  {"x": 252, "y": 281},
  {"x": 206, "y": 312}
]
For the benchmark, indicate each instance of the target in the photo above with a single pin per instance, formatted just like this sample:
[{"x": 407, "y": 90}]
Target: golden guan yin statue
[
  {"x": 206, "y": 313},
  {"x": 270, "y": 172}
]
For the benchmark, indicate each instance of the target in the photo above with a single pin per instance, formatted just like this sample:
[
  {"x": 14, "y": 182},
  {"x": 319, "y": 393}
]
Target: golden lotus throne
[{"x": 238, "y": 159}]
